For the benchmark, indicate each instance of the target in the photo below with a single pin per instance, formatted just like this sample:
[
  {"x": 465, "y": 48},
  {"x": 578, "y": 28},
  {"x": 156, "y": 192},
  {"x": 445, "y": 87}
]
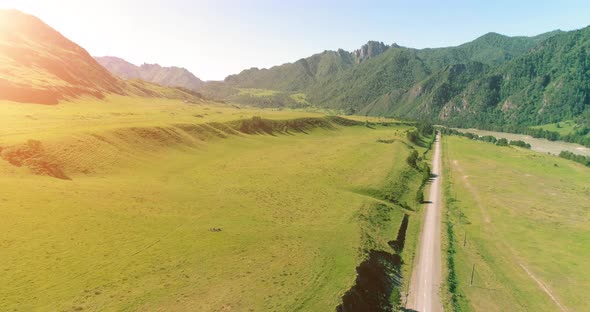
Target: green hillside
[
  {"x": 548, "y": 84},
  {"x": 453, "y": 84}
]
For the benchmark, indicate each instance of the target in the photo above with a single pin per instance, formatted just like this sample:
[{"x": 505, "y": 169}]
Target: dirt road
[{"x": 424, "y": 293}]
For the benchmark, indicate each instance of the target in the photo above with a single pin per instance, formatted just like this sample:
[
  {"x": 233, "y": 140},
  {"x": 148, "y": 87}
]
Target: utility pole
[
  {"x": 465, "y": 239},
  {"x": 472, "y": 271}
]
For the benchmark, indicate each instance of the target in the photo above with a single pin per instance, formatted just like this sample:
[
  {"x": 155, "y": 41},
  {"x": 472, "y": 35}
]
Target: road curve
[{"x": 424, "y": 294}]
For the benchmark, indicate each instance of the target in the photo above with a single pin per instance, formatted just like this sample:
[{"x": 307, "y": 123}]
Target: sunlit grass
[
  {"x": 563, "y": 128},
  {"x": 257, "y": 92},
  {"x": 131, "y": 229},
  {"x": 517, "y": 207},
  {"x": 300, "y": 98}
]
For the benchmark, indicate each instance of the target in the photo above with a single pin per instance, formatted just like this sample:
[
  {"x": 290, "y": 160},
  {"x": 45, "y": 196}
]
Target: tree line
[
  {"x": 584, "y": 160},
  {"x": 580, "y": 135},
  {"x": 486, "y": 138}
]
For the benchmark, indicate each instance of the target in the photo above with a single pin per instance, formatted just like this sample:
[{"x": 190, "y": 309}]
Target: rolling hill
[
  {"x": 165, "y": 76},
  {"x": 39, "y": 65}
]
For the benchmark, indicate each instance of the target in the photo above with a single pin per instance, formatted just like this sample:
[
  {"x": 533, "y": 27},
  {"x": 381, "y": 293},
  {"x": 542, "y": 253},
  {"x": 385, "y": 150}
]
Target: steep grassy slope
[
  {"x": 37, "y": 64},
  {"x": 521, "y": 218},
  {"x": 165, "y": 76},
  {"x": 128, "y": 225}
]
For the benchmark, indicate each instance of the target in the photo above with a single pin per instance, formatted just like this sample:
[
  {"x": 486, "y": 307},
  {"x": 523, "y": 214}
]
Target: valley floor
[
  {"x": 518, "y": 221},
  {"x": 129, "y": 225}
]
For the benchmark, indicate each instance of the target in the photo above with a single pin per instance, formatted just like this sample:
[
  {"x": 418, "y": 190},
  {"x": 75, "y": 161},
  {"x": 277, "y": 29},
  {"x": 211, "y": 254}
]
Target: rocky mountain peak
[{"x": 369, "y": 50}]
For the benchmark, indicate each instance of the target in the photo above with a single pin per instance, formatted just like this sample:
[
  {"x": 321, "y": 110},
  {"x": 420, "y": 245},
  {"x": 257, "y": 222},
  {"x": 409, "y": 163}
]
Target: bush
[
  {"x": 584, "y": 160},
  {"x": 489, "y": 138},
  {"x": 520, "y": 143},
  {"x": 502, "y": 142},
  {"x": 425, "y": 128},
  {"x": 413, "y": 137},
  {"x": 413, "y": 159}
]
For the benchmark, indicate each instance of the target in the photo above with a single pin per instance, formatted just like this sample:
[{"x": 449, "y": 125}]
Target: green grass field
[
  {"x": 257, "y": 92},
  {"x": 563, "y": 128},
  {"x": 525, "y": 219},
  {"x": 300, "y": 98},
  {"x": 130, "y": 230}
]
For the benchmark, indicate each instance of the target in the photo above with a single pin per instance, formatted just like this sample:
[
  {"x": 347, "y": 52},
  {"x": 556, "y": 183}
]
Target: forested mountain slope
[
  {"x": 494, "y": 79},
  {"x": 550, "y": 83}
]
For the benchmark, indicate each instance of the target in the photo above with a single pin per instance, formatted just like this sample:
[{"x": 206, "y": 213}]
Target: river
[{"x": 539, "y": 145}]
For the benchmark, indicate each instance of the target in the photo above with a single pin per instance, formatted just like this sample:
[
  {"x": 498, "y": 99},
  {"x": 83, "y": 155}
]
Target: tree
[
  {"x": 520, "y": 143},
  {"x": 413, "y": 159},
  {"x": 502, "y": 142},
  {"x": 413, "y": 137}
]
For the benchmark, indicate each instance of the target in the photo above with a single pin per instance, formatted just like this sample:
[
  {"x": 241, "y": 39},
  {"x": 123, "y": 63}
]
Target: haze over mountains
[{"x": 166, "y": 76}]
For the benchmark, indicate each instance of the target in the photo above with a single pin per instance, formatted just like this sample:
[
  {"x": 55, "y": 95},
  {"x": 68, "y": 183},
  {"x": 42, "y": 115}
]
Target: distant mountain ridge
[
  {"x": 549, "y": 83},
  {"x": 492, "y": 81},
  {"x": 166, "y": 76},
  {"x": 369, "y": 50}
]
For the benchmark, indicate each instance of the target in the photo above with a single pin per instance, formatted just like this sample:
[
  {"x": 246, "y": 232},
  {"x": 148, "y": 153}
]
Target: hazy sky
[{"x": 216, "y": 38}]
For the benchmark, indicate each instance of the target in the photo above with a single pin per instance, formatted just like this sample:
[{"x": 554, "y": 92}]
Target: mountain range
[
  {"x": 493, "y": 81},
  {"x": 165, "y": 76}
]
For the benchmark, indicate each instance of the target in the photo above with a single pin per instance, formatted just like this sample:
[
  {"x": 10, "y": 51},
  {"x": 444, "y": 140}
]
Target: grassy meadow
[
  {"x": 523, "y": 219},
  {"x": 257, "y": 92},
  {"x": 126, "y": 224},
  {"x": 563, "y": 128}
]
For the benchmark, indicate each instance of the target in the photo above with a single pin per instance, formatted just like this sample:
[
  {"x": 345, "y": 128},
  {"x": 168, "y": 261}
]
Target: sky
[{"x": 216, "y": 38}]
